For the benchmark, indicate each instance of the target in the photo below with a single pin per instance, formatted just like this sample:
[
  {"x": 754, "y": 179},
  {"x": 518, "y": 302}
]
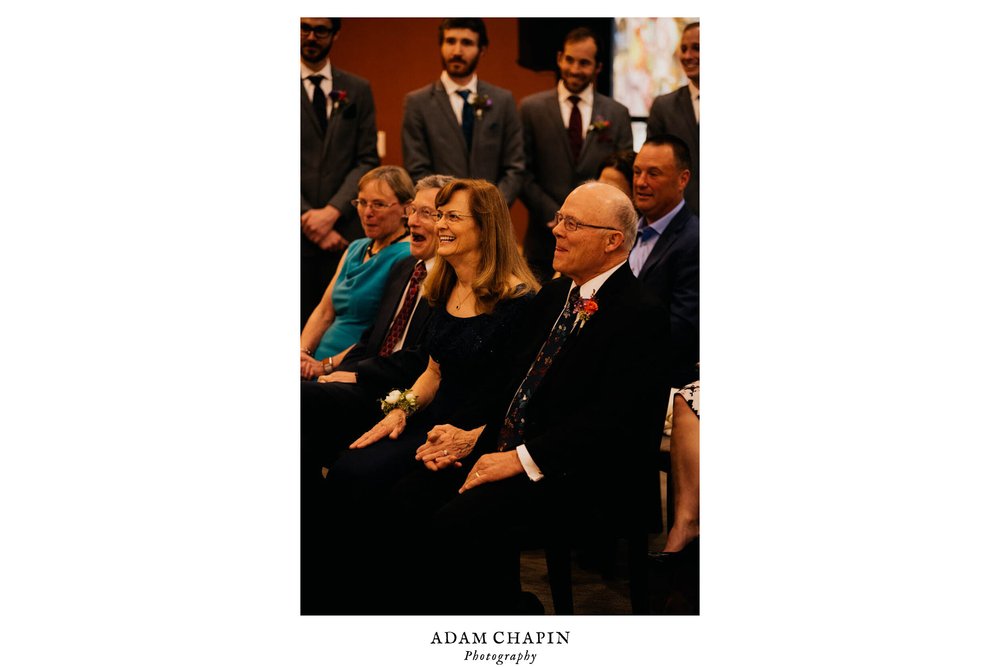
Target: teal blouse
[{"x": 357, "y": 294}]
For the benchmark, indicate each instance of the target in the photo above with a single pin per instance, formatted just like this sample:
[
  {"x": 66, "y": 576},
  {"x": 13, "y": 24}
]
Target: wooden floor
[{"x": 594, "y": 591}]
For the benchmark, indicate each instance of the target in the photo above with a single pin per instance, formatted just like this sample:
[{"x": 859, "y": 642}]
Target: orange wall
[{"x": 400, "y": 55}]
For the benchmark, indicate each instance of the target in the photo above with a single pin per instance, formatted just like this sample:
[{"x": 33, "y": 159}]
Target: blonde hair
[{"x": 498, "y": 255}]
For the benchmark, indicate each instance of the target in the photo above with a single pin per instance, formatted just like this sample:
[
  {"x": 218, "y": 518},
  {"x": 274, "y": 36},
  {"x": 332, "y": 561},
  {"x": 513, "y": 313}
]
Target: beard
[
  {"x": 467, "y": 71},
  {"x": 316, "y": 53}
]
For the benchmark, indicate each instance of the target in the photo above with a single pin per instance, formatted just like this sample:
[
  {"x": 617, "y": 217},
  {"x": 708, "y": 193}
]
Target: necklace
[
  {"x": 369, "y": 253},
  {"x": 458, "y": 306}
]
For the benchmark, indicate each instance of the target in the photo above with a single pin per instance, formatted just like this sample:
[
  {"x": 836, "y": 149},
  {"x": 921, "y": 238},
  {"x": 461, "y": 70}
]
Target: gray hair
[{"x": 434, "y": 182}]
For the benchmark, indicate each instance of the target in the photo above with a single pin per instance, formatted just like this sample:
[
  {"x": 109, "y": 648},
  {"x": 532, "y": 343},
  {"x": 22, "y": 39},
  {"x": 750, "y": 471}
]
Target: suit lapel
[
  {"x": 600, "y": 109},
  {"x": 663, "y": 244},
  {"x": 687, "y": 113},
  {"x": 554, "y": 115},
  {"x": 440, "y": 96}
]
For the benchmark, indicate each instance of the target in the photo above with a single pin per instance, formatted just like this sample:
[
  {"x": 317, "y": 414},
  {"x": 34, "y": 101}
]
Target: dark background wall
[{"x": 400, "y": 55}]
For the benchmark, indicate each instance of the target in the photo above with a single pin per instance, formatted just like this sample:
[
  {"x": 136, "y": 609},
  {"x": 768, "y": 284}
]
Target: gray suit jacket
[
  {"x": 433, "y": 142},
  {"x": 673, "y": 113},
  {"x": 333, "y": 163},
  {"x": 551, "y": 173}
]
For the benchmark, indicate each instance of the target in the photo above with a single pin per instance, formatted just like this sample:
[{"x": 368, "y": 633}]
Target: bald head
[{"x": 605, "y": 231}]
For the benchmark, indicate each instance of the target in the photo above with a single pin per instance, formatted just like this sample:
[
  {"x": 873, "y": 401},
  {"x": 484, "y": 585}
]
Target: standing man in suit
[
  {"x": 679, "y": 113},
  {"x": 460, "y": 125},
  {"x": 575, "y": 429},
  {"x": 665, "y": 258},
  {"x": 568, "y": 132},
  {"x": 338, "y": 147}
]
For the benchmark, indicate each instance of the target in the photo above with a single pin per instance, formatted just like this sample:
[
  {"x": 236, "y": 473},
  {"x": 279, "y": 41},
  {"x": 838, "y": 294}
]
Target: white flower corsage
[{"x": 399, "y": 399}]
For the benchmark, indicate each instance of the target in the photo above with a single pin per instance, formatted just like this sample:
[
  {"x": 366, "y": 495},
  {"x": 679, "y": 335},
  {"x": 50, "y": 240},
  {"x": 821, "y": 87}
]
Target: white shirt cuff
[{"x": 529, "y": 464}]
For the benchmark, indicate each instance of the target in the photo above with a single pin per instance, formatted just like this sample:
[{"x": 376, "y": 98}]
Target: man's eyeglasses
[
  {"x": 572, "y": 224},
  {"x": 422, "y": 212},
  {"x": 377, "y": 206},
  {"x": 321, "y": 31},
  {"x": 451, "y": 216}
]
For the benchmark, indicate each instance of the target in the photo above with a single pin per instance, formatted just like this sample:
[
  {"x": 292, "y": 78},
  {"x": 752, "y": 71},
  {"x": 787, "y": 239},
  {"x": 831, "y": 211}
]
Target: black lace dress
[{"x": 468, "y": 351}]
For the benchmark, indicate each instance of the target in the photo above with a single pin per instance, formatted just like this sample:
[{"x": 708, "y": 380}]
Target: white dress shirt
[
  {"x": 326, "y": 85},
  {"x": 695, "y": 100},
  {"x": 586, "y": 105},
  {"x": 452, "y": 89}
]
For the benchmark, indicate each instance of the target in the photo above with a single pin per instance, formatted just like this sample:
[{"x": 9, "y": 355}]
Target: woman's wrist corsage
[{"x": 400, "y": 399}]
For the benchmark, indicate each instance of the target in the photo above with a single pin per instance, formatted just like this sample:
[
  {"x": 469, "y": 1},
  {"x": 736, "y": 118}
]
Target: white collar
[
  {"x": 327, "y": 71},
  {"x": 587, "y": 96},
  {"x": 590, "y": 288},
  {"x": 450, "y": 86}
]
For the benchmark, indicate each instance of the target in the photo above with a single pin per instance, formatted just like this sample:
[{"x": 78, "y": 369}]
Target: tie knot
[
  {"x": 646, "y": 233},
  {"x": 464, "y": 94},
  {"x": 575, "y": 99},
  {"x": 316, "y": 79},
  {"x": 419, "y": 271}
]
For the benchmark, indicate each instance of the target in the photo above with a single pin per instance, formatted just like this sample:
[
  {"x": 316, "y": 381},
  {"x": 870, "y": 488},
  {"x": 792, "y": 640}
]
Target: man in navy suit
[
  {"x": 460, "y": 125},
  {"x": 679, "y": 112},
  {"x": 569, "y": 130},
  {"x": 338, "y": 147},
  {"x": 665, "y": 258}
]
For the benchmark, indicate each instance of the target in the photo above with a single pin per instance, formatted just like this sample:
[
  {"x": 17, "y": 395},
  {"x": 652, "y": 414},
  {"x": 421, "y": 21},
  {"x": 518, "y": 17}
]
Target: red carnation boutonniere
[
  {"x": 584, "y": 310},
  {"x": 480, "y": 103},
  {"x": 339, "y": 97},
  {"x": 599, "y": 125}
]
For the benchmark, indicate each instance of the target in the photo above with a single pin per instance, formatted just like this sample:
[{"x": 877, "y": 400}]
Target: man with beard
[
  {"x": 338, "y": 147},
  {"x": 678, "y": 113},
  {"x": 568, "y": 132},
  {"x": 460, "y": 125}
]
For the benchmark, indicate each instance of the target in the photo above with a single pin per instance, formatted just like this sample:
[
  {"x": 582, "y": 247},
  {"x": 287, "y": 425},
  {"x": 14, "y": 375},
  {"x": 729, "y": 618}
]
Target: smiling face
[
  {"x": 423, "y": 226},
  {"x": 587, "y": 251},
  {"x": 657, "y": 184},
  {"x": 690, "y": 52},
  {"x": 460, "y": 53},
  {"x": 578, "y": 64},
  {"x": 381, "y": 225},
  {"x": 458, "y": 238},
  {"x": 314, "y": 49}
]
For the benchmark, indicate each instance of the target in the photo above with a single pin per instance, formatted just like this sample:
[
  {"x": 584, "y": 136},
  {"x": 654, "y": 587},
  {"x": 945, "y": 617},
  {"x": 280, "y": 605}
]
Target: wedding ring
[
  {"x": 446, "y": 452},
  {"x": 478, "y": 475}
]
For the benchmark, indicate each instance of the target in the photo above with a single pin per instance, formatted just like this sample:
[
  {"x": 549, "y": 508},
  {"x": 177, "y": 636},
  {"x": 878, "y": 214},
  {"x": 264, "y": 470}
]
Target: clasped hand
[
  {"x": 392, "y": 425},
  {"x": 445, "y": 445}
]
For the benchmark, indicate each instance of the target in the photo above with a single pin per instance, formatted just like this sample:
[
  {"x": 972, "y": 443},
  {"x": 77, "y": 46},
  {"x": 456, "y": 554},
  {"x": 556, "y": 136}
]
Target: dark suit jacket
[
  {"x": 599, "y": 410},
  {"x": 671, "y": 272},
  {"x": 433, "y": 142},
  {"x": 401, "y": 368},
  {"x": 673, "y": 113},
  {"x": 332, "y": 163},
  {"x": 551, "y": 172}
]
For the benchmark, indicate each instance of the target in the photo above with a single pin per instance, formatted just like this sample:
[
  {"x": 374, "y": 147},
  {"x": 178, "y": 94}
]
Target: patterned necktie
[
  {"x": 512, "y": 432},
  {"x": 319, "y": 100},
  {"x": 575, "y": 129},
  {"x": 468, "y": 117},
  {"x": 403, "y": 316}
]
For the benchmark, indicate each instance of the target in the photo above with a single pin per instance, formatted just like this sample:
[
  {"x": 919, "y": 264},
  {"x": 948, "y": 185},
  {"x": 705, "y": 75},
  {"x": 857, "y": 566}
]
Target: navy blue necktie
[
  {"x": 468, "y": 117},
  {"x": 319, "y": 100}
]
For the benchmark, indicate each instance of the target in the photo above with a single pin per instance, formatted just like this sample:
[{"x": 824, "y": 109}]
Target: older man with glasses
[{"x": 575, "y": 425}]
